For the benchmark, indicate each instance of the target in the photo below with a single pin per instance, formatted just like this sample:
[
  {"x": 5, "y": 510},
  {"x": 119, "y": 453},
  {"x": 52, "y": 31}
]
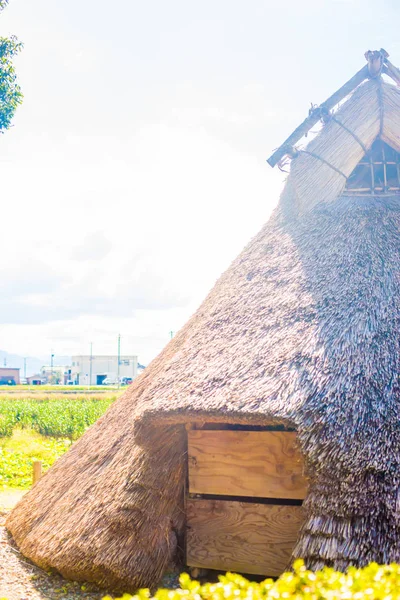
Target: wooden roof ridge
[{"x": 377, "y": 63}]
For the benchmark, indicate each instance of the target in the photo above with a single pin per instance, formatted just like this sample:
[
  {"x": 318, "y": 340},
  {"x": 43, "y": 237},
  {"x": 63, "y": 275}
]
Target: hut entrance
[{"x": 244, "y": 494}]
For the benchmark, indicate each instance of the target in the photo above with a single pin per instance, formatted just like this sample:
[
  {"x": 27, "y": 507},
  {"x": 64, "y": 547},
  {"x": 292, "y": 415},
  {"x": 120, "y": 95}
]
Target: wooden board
[
  {"x": 241, "y": 536},
  {"x": 263, "y": 464}
]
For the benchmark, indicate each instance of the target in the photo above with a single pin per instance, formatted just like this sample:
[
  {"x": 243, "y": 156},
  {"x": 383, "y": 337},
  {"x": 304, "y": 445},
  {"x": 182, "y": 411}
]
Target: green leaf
[{"x": 10, "y": 91}]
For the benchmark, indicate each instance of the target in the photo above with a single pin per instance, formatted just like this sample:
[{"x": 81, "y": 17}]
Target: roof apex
[{"x": 377, "y": 63}]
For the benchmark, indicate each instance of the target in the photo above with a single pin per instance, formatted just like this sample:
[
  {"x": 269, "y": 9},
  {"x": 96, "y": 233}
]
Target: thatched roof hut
[{"x": 302, "y": 330}]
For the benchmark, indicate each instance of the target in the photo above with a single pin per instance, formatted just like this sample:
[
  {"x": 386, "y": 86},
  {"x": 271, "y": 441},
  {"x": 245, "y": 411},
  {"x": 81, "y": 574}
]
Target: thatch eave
[{"x": 150, "y": 419}]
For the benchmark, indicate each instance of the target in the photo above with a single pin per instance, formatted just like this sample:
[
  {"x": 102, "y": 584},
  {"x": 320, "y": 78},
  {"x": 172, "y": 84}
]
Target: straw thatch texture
[{"x": 303, "y": 329}]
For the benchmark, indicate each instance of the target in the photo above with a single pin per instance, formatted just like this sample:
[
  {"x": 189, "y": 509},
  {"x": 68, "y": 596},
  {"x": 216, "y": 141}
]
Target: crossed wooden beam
[{"x": 377, "y": 63}]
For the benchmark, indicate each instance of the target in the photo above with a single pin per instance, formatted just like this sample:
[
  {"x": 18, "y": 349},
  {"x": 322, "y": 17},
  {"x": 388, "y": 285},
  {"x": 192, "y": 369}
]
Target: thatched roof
[{"x": 303, "y": 328}]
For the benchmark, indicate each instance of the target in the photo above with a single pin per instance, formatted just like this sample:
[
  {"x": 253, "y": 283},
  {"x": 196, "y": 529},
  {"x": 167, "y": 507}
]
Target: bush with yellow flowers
[{"x": 373, "y": 582}]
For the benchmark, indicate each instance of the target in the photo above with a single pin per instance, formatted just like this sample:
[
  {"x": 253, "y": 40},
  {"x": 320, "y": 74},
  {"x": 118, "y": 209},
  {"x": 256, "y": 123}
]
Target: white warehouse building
[{"x": 93, "y": 370}]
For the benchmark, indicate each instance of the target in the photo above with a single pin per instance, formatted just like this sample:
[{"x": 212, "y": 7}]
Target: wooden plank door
[{"x": 245, "y": 490}]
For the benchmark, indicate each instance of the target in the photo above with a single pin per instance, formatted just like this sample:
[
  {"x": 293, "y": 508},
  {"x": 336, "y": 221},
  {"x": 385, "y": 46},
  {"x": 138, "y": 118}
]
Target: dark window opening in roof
[{"x": 377, "y": 172}]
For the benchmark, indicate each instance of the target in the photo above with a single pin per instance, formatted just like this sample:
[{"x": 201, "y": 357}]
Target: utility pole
[
  {"x": 25, "y": 367},
  {"x": 119, "y": 356},
  {"x": 51, "y": 368},
  {"x": 90, "y": 366}
]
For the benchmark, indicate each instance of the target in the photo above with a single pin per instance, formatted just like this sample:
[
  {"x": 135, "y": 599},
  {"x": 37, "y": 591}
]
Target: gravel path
[
  {"x": 21, "y": 580},
  {"x": 9, "y": 498}
]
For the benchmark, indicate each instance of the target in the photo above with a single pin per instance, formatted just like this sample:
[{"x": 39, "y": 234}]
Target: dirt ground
[
  {"x": 9, "y": 498},
  {"x": 22, "y": 580}
]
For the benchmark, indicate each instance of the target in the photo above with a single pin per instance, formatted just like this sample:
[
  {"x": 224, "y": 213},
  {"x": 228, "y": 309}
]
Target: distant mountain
[
  {"x": 15, "y": 361},
  {"x": 33, "y": 364}
]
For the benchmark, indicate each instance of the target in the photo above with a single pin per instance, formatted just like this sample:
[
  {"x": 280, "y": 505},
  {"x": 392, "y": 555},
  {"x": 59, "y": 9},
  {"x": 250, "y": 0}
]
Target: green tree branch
[{"x": 10, "y": 92}]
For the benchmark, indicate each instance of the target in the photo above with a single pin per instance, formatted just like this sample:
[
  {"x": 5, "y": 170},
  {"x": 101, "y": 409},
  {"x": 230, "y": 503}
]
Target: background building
[
  {"x": 93, "y": 370},
  {"x": 9, "y": 376},
  {"x": 56, "y": 374},
  {"x": 34, "y": 379}
]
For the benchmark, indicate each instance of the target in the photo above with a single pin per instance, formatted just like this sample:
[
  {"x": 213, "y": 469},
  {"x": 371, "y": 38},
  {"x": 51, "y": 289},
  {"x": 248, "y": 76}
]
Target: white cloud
[
  {"x": 141, "y": 228},
  {"x": 95, "y": 246}
]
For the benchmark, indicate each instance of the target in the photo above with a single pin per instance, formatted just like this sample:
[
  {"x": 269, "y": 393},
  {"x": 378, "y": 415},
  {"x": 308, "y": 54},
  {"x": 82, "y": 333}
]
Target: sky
[{"x": 135, "y": 170}]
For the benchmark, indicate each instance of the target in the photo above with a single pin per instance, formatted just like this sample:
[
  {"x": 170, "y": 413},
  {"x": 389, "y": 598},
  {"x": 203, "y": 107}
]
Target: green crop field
[
  {"x": 29, "y": 390},
  {"x": 42, "y": 427}
]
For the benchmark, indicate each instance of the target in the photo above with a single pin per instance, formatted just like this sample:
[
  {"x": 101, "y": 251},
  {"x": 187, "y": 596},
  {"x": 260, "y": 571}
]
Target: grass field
[
  {"x": 28, "y": 390},
  {"x": 18, "y": 452},
  {"x": 42, "y": 427}
]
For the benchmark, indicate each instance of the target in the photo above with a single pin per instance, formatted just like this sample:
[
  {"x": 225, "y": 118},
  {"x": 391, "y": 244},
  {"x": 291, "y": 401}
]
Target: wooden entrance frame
[{"x": 243, "y": 502}]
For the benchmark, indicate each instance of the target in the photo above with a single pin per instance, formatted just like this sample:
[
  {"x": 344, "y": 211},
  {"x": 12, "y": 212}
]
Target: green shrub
[{"x": 373, "y": 582}]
